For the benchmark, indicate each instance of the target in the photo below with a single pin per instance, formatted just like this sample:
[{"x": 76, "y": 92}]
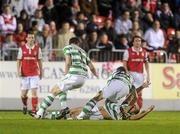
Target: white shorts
[
  {"x": 70, "y": 82},
  {"x": 115, "y": 90},
  {"x": 30, "y": 82},
  {"x": 138, "y": 79}
]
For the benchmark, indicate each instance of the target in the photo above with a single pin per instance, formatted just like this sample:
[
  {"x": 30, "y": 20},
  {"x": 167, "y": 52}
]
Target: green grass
[{"x": 154, "y": 123}]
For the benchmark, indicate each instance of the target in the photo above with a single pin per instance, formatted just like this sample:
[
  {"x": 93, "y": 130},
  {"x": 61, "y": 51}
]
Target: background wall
[{"x": 164, "y": 92}]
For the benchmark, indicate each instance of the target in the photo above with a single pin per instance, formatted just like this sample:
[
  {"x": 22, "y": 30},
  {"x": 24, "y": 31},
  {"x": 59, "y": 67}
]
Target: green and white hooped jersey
[
  {"x": 79, "y": 58},
  {"x": 125, "y": 77}
]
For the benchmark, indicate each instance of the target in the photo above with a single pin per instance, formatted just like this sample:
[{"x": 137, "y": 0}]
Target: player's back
[
  {"x": 122, "y": 76},
  {"x": 79, "y": 59}
]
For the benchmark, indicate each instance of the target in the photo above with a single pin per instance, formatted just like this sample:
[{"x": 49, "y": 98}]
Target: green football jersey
[{"x": 79, "y": 58}]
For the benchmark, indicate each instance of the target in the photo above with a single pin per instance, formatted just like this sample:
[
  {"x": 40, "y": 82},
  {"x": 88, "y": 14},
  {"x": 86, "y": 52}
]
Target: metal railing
[{"x": 157, "y": 56}]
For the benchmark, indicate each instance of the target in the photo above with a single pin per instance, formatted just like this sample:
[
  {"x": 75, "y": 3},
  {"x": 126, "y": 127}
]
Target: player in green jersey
[{"x": 76, "y": 64}]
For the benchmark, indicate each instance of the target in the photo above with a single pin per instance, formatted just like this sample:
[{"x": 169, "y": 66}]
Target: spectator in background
[
  {"x": 7, "y": 21},
  {"x": 136, "y": 30},
  {"x": 80, "y": 17},
  {"x": 177, "y": 18},
  {"x": 136, "y": 15},
  {"x": 31, "y": 6},
  {"x": 117, "y": 7},
  {"x": 80, "y": 30},
  {"x": 174, "y": 45},
  {"x": 89, "y": 7},
  {"x": 64, "y": 13},
  {"x": 17, "y": 6},
  {"x": 104, "y": 43},
  {"x": 49, "y": 12},
  {"x": 165, "y": 16},
  {"x": 123, "y": 23},
  {"x": 24, "y": 20},
  {"x": 121, "y": 42},
  {"x": 34, "y": 28},
  {"x": 108, "y": 29},
  {"x": 92, "y": 40},
  {"x": 147, "y": 21},
  {"x": 155, "y": 36},
  {"x": 38, "y": 16},
  {"x": 91, "y": 25},
  {"x": 20, "y": 35},
  {"x": 75, "y": 7},
  {"x": 106, "y": 47},
  {"x": 7, "y": 45},
  {"x": 104, "y": 7},
  {"x": 44, "y": 39},
  {"x": 62, "y": 38},
  {"x": 53, "y": 30}
]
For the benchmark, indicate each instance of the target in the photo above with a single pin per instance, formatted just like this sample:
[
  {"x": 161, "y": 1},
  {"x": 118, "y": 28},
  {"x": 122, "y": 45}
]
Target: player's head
[
  {"x": 137, "y": 41},
  {"x": 121, "y": 69},
  {"x": 74, "y": 40},
  {"x": 30, "y": 38}
]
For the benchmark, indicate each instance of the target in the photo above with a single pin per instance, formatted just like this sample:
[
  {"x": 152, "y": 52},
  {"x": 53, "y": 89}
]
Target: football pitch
[{"x": 154, "y": 123}]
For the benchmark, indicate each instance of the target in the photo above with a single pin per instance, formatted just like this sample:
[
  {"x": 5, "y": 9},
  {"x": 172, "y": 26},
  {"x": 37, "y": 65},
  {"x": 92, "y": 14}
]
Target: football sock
[
  {"x": 45, "y": 104},
  {"x": 89, "y": 106},
  {"x": 63, "y": 100},
  {"x": 34, "y": 103},
  {"x": 113, "y": 109},
  {"x": 24, "y": 100}
]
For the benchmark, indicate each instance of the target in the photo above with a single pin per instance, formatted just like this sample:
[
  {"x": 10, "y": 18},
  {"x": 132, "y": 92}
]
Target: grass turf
[{"x": 154, "y": 123}]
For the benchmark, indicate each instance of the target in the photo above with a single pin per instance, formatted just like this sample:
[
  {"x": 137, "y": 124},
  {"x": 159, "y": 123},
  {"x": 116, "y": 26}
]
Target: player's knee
[
  {"x": 55, "y": 90},
  {"x": 98, "y": 97}
]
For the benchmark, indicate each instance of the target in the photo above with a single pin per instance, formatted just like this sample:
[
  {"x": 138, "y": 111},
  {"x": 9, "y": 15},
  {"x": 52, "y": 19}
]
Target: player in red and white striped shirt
[{"x": 29, "y": 65}]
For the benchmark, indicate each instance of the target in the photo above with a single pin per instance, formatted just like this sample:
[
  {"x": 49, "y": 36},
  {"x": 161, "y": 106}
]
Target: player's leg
[
  {"x": 34, "y": 85},
  {"x": 24, "y": 91},
  {"x": 90, "y": 105},
  {"x": 34, "y": 99},
  {"x": 138, "y": 81},
  {"x": 48, "y": 101},
  {"x": 24, "y": 99},
  {"x": 70, "y": 82},
  {"x": 112, "y": 109}
]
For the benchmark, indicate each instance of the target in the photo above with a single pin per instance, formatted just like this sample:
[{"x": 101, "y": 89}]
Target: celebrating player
[
  {"x": 29, "y": 68},
  {"x": 76, "y": 62}
]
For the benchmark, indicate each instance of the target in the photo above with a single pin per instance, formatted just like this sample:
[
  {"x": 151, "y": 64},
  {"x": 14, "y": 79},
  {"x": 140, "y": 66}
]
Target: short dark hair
[
  {"x": 136, "y": 36},
  {"x": 74, "y": 40}
]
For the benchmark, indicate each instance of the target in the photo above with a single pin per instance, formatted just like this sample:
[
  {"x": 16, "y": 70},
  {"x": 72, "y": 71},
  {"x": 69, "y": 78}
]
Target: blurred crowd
[{"x": 106, "y": 25}]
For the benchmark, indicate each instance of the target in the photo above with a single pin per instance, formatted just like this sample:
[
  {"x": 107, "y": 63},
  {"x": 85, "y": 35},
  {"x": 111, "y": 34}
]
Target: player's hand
[
  {"x": 146, "y": 84},
  {"x": 40, "y": 76},
  {"x": 148, "y": 79}
]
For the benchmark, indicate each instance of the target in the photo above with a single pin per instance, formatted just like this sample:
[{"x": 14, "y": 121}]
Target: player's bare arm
[
  {"x": 40, "y": 68},
  {"x": 147, "y": 71},
  {"x": 92, "y": 68},
  {"x": 67, "y": 63},
  {"x": 125, "y": 65},
  {"x": 19, "y": 68}
]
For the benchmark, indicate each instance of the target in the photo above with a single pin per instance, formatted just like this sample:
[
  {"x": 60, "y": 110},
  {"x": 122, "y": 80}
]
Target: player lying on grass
[{"x": 96, "y": 114}]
